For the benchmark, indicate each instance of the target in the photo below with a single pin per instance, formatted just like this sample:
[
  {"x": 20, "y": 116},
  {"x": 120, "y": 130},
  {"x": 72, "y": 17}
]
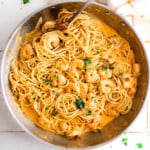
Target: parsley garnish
[
  {"x": 120, "y": 74},
  {"x": 124, "y": 140},
  {"x": 65, "y": 84},
  {"x": 93, "y": 97},
  {"x": 111, "y": 67},
  {"x": 110, "y": 44},
  {"x": 52, "y": 114},
  {"x": 26, "y": 1},
  {"x": 45, "y": 108},
  {"x": 89, "y": 112},
  {"x": 89, "y": 26},
  {"x": 57, "y": 77},
  {"x": 33, "y": 92},
  {"x": 139, "y": 145},
  {"x": 80, "y": 104},
  {"x": 87, "y": 61},
  {"x": 47, "y": 80},
  {"x": 101, "y": 85},
  {"x": 97, "y": 50},
  {"x": 34, "y": 98},
  {"x": 104, "y": 68},
  {"x": 99, "y": 130}
]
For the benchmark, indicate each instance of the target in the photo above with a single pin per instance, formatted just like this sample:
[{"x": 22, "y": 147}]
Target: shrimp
[
  {"x": 64, "y": 126},
  {"x": 76, "y": 65},
  {"x": 91, "y": 97},
  {"x": 26, "y": 52},
  {"x": 57, "y": 80},
  {"x": 136, "y": 69},
  {"x": 62, "y": 65},
  {"x": 47, "y": 25},
  {"x": 73, "y": 88},
  {"x": 74, "y": 74},
  {"x": 129, "y": 81},
  {"x": 49, "y": 41},
  {"x": 105, "y": 74},
  {"x": 83, "y": 89},
  {"x": 111, "y": 110},
  {"x": 106, "y": 85},
  {"x": 91, "y": 75}
]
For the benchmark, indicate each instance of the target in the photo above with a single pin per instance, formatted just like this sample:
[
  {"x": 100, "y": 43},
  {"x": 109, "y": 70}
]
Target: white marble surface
[{"x": 12, "y": 137}]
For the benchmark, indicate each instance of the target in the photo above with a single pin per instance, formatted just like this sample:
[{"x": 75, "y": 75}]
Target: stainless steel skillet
[{"x": 113, "y": 129}]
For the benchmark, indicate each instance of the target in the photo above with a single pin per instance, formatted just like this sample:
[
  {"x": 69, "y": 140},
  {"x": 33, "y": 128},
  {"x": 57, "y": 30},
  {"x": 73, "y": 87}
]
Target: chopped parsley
[
  {"x": 67, "y": 138},
  {"x": 80, "y": 104},
  {"x": 96, "y": 89},
  {"x": 139, "y": 145},
  {"x": 89, "y": 112},
  {"x": 87, "y": 61},
  {"x": 52, "y": 114},
  {"x": 97, "y": 50},
  {"x": 120, "y": 74},
  {"x": 47, "y": 80},
  {"x": 125, "y": 140},
  {"x": 26, "y": 1},
  {"x": 39, "y": 97},
  {"x": 33, "y": 92},
  {"x": 99, "y": 130},
  {"x": 111, "y": 67},
  {"x": 93, "y": 97},
  {"x": 101, "y": 85},
  {"x": 110, "y": 44},
  {"x": 89, "y": 26},
  {"x": 34, "y": 98},
  {"x": 104, "y": 68},
  {"x": 45, "y": 108},
  {"x": 57, "y": 77}
]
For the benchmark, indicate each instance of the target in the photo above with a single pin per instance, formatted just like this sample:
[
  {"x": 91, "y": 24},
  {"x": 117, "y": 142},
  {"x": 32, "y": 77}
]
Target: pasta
[{"x": 77, "y": 80}]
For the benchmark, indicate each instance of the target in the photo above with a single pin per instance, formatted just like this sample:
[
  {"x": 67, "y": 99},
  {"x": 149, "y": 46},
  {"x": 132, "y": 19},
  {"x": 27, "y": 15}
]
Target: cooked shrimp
[
  {"x": 62, "y": 65},
  {"x": 129, "y": 81},
  {"x": 107, "y": 85},
  {"x": 91, "y": 100},
  {"x": 49, "y": 41},
  {"x": 64, "y": 126},
  {"x": 47, "y": 25},
  {"x": 105, "y": 74},
  {"x": 111, "y": 110},
  {"x": 91, "y": 75},
  {"x": 74, "y": 74},
  {"x": 83, "y": 89},
  {"x": 58, "y": 80},
  {"x": 76, "y": 64},
  {"x": 26, "y": 52},
  {"x": 73, "y": 88},
  {"x": 136, "y": 69}
]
